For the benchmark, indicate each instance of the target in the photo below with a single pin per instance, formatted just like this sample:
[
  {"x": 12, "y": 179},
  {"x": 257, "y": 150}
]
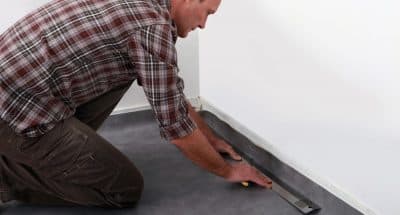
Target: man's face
[{"x": 191, "y": 14}]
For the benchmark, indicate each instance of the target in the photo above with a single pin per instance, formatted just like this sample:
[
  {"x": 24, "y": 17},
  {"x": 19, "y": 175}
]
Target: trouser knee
[{"x": 131, "y": 193}]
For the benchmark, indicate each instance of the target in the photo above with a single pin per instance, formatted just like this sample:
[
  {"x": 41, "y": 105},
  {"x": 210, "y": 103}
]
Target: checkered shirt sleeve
[{"x": 153, "y": 54}]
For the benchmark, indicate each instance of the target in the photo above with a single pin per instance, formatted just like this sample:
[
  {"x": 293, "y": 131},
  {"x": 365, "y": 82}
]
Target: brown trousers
[{"x": 71, "y": 164}]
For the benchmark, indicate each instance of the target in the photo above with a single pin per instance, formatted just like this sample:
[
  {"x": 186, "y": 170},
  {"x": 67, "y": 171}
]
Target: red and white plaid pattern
[{"x": 68, "y": 52}]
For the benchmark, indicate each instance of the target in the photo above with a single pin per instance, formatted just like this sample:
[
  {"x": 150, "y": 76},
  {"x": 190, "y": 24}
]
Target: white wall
[
  {"x": 11, "y": 11},
  {"x": 318, "y": 80}
]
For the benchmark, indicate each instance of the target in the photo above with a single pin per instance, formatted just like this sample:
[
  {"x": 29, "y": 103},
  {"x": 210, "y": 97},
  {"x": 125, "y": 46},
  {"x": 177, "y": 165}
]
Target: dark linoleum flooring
[{"x": 172, "y": 183}]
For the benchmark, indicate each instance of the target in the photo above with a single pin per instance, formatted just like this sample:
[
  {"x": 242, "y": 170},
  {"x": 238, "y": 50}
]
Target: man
[{"x": 63, "y": 69}]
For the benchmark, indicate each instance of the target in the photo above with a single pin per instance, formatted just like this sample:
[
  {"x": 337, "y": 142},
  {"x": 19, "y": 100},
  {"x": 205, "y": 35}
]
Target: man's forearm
[
  {"x": 201, "y": 124},
  {"x": 197, "y": 148}
]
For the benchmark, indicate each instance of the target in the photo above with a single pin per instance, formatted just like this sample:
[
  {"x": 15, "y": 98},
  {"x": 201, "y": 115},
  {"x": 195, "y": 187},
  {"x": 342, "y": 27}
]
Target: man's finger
[
  {"x": 228, "y": 149},
  {"x": 263, "y": 183},
  {"x": 235, "y": 155},
  {"x": 267, "y": 182}
]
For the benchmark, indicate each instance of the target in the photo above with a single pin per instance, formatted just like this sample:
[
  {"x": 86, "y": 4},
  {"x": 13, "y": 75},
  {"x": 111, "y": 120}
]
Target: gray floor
[{"x": 173, "y": 184}]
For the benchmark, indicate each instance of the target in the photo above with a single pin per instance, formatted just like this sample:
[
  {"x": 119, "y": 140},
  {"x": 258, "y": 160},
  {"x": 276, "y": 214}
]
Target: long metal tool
[
  {"x": 246, "y": 151},
  {"x": 304, "y": 205}
]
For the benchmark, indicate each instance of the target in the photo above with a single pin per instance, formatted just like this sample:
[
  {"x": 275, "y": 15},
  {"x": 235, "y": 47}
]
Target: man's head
[{"x": 190, "y": 14}]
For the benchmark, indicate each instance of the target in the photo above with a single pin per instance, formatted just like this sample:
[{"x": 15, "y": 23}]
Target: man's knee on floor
[{"x": 130, "y": 195}]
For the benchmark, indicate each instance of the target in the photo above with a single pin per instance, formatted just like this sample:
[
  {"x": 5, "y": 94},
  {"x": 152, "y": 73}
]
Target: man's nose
[{"x": 203, "y": 24}]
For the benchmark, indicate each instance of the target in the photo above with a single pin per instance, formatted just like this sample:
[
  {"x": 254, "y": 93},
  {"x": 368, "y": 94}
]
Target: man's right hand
[
  {"x": 242, "y": 171},
  {"x": 196, "y": 147}
]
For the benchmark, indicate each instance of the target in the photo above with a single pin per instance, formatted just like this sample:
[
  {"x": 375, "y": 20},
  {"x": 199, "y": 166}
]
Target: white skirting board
[{"x": 201, "y": 104}]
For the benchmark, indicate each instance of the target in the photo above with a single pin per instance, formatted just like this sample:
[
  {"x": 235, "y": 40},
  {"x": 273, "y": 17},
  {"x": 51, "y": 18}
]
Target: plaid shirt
[{"x": 68, "y": 52}]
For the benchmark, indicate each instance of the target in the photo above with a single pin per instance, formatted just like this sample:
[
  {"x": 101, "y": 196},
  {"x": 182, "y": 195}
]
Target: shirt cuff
[{"x": 181, "y": 128}]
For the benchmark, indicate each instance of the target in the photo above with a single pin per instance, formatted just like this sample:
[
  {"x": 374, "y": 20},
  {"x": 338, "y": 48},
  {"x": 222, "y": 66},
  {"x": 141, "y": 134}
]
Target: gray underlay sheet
[{"x": 172, "y": 183}]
